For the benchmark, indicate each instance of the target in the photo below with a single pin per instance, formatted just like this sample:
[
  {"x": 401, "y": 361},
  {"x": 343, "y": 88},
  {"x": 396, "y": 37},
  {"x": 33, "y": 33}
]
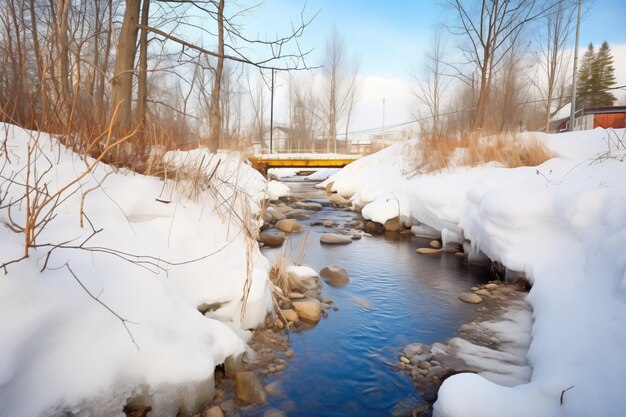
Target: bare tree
[
  {"x": 341, "y": 84},
  {"x": 432, "y": 85},
  {"x": 490, "y": 29}
]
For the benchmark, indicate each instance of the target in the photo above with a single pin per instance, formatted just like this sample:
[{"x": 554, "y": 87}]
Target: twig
[{"x": 564, "y": 391}]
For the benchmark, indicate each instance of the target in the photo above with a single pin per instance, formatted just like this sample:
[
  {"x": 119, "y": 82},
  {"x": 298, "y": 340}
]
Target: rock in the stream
[
  {"x": 469, "y": 297},
  {"x": 274, "y": 412},
  {"x": 271, "y": 239},
  {"x": 248, "y": 388},
  {"x": 308, "y": 205},
  {"x": 274, "y": 389},
  {"x": 413, "y": 349},
  {"x": 328, "y": 223},
  {"x": 436, "y": 244},
  {"x": 428, "y": 251},
  {"x": 214, "y": 411},
  {"x": 492, "y": 286},
  {"x": 335, "y": 276},
  {"x": 339, "y": 200},
  {"x": 373, "y": 227},
  {"x": 308, "y": 309},
  {"x": 289, "y": 226},
  {"x": 275, "y": 213},
  {"x": 290, "y": 314},
  {"x": 298, "y": 214},
  {"x": 393, "y": 225},
  {"x": 335, "y": 239}
]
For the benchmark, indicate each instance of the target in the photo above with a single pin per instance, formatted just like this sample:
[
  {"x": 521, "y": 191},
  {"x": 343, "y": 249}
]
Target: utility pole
[
  {"x": 272, "y": 112},
  {"x": 383, "y": 134},
  {"x": 572, "y": 113}
]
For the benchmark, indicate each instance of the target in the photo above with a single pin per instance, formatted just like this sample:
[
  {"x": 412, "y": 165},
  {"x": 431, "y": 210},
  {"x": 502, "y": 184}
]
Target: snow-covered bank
[
  {"x": 563, "y": 223},
  {"x": 152, "y": 252}
]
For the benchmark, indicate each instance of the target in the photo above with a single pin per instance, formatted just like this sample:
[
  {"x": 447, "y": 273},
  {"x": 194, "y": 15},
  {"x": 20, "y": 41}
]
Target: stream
[{"x": 347, "y": 365}]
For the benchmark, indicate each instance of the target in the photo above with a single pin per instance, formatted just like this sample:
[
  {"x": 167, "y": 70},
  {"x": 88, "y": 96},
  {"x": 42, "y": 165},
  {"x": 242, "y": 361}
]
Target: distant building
[{"x": 586, "y": 119}]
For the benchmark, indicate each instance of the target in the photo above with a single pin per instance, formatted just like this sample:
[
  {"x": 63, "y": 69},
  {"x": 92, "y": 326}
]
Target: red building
[{"x": 591, "y": 118}]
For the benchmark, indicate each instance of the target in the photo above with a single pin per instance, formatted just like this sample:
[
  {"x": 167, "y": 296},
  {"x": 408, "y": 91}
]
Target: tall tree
[
  {"x": 604, "y": 73},
  {"x": 586, "y": 80}
]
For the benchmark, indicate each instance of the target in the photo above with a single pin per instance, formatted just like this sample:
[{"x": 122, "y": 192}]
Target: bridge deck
[{"x": 263, "y": 162}]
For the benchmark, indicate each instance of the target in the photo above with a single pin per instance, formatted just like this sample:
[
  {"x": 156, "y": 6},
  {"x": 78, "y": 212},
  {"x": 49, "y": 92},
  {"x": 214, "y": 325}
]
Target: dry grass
[
  {"x": 439, "y": 151},
  {"x": 283, "y": 282}
]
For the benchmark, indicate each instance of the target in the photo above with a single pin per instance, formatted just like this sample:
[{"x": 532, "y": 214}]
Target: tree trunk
[
  {"x": 215, "y": 116},
  {"x": 62, "y": 80},
  {"x": 100, "y": 108},
  {"x": 142, "y": 84},
  {"x": 122, "y": 82}
]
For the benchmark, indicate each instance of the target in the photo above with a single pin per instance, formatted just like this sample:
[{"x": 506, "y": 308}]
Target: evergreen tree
[
  {"x": 604, "y": 72},
  {"x": 584, "y": 87}
]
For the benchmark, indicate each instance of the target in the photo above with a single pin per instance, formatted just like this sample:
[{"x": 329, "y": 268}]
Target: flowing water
[{"x": 347, "y": 364}]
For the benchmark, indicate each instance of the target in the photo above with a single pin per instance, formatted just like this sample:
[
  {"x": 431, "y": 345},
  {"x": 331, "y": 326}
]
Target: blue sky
[{"x": 390, "y": 37}]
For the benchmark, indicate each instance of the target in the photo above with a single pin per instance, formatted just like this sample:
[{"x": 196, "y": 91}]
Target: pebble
[
  {"x": 428, "y": 251},
  {"x": 402, "y": 365},
  {"x": 435, "y": 244},
  {"x": 423, "y": 365},
  {"x": 404, "y": 359},
  {"x": 289, "y": 353},
  {"x": 469, "y": 297},
  {"x": 491, "y": 286}
]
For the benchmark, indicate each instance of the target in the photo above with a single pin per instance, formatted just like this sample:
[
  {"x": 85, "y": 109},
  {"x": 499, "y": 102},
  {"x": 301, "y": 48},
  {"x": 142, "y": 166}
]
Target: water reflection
[{"x": 346, "y": 365}]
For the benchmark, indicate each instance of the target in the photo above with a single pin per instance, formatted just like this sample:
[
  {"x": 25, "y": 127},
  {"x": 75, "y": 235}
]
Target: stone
[
  {"x": 308, "y": 309},
  {"x": 289, "y": 353},
  {"x": 308, "y": 205},
  {"x": 290, "y": 314},
  {"x": 413, "y": 349},
  {"x": 295, "y": 295},
  {"x": 274, "y": 389},
  {"x": 214, "y": 411},
  {"x": 339, "y": 200},
  {"x": 289, "y": 226},
  {"x": 298, "y": 214},
  {"x": 474, "y": 288},
  {"x": 329, "y": 187},
  {"x": 483, "y": 293},
  {"x": 422, "y": 372},
  {"x": 426, "y": 251},
  {"x": 275, "y": 213},
  {"x": 402, "y": 365},
  {"x": 271, "y": 239},
  {"x": 435, "y": 244},
  {"x": 373, "y": 227},
  {"x": 471, "y": 298},
  {"x": 492, "y": 286},
  {"x": 228, "y": 406},
  {"x": 274, "y": 412},
  {"x": 393, "y": 225},
  {"x": 404, "y": 360},
  {"x": 335, "y": 239},
  {"x": 328, "y": 223},
  {"x": 335, "y": 276},
  {"x": 248, "y": 388},
  {"x": 423, "y": 365},
  {"x": 267, "y": 218}
]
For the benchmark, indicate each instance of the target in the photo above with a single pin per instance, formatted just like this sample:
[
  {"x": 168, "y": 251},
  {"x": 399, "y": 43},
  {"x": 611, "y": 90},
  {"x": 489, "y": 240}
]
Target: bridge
[{"x": 297, "y": 160}]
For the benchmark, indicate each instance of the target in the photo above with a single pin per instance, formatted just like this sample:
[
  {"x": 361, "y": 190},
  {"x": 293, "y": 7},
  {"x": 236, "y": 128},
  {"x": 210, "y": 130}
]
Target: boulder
[
  {"x": 308, "y": 309},
  {"x": 290, "y": 314},
  {"x": 248, "y": 388},
  {"x": 308, "y": 205},
  {"x": 436, "y": 244},
  {"x": 471, "y": 298},
  {"x": 298, "y": 214},
  {"x": 335, "y": 239},
  {"x": 393, "y": 225},
  {"x": 289, "y": 226},
  {"x": 335, "y": 276},
  {"x": 428, "y": 251},
  {"x": 339, "y": 200},
  {"x": 271, "y": 239},
  {"x": 214, "y": 411}
]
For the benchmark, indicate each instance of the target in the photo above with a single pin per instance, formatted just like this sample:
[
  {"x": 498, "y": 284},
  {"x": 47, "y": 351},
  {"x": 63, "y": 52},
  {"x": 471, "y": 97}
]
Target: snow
[
  {"x": 563, "y": 224},
  {"x": 164, "y": 249}
]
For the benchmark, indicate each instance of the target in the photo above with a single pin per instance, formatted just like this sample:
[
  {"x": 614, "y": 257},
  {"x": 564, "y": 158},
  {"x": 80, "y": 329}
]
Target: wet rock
[
  {"x": 335, "y": 239},
  {"x": 474, "y": 288},
  {"x": 267, "y": 218},
  {"x": 423, "y": 365},
  {"x": 483, "y": 293},
  {"x": 339, "y": 200},
  {"x": 228, "y": 406},
  {"x": 435, "y": 244},
  {"x": 393, "y": 225},
  {"x": 308, "y": 309},
  {"x": 492, "y": 286},
  {"x": 214, "y": 411},
  {"x": 274, "y": 389},
  {"x": 308, "y": 205},
  {"x": 373, "y": 227},
  {"x": 335, "y": 276},
  {"x": 298, "y": 214},
  {"x": 428, "y": 251},
  {"x": 271, "y": 239},
  {"x": 289, "y": 226},
  {"x": 273, "y": 412},
  {"x": 471, "y": 298},
  {"x": 289, "y": 353},
  {"x": 404, "y": 360},
  {"x": 275, "y": 214},
  {"x": 248, "y": 388},
  {"x": 413, "y": 349},
  {"x": 290, "y": 314},
  {"x": 328, "y": 223}
]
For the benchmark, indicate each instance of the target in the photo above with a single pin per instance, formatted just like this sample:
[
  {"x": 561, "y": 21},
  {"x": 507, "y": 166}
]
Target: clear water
[{"x": 347, "y": 364}]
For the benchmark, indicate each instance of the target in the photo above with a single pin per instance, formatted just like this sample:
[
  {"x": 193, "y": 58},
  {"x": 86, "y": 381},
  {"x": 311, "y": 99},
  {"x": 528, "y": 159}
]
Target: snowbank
[
  {"x": 563, "y": 223},
  {"x": 149, "y": 254}
]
